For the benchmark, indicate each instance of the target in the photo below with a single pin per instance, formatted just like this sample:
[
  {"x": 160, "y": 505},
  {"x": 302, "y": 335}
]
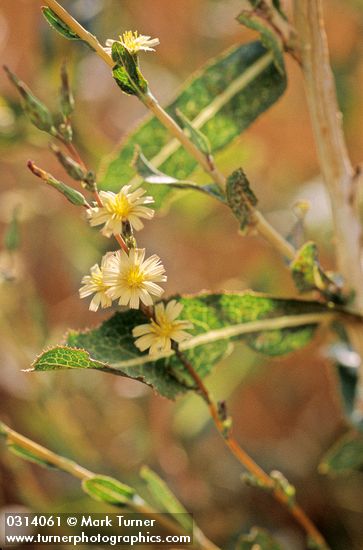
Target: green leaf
[
  {"x": 19, "y": 450},
  {"x": 123, "y": 81},
  {"x": 309, "y": 275},
  {"x": 222, "y": 100},
  {"x": 344, "y": 456},
  {"x": 257, "y": 20},
  {"x": 270, "y": 325},
  {"x": 241, "y": 198},
  {"x": 62, "y": 357},
  {"x": 57, "y": 24},
  {"x": 257, "y": 539},
  {"x": 38, "y": 113},
  {"x": 28, "y": 455},
  {"x": 305, "y": 267},
  {"x": 107, "y": 489},
  {"x": 153, "y": 176},
  {"x": 73, "y": 169},
  {"x": 127, "y": 73},
  {"x": 66, "y": 96},
  {"x": 12, "y": 233},
  {"x": 165, "y": 499},
  {"x": 72, "y": 195}
]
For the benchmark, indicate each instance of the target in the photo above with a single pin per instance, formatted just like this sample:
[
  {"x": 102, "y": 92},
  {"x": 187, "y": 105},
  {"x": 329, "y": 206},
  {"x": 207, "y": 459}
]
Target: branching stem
[
  {"x": 260, "y": 222},
  {"x": 243, "y": 457},
  {"x": 61, "y": 463},
  {"x": 335, "y": 164}
]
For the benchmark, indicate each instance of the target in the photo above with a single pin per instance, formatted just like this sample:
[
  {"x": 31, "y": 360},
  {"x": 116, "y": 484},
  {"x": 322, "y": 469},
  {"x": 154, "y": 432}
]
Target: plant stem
[
  {"x": 153, "y": 105},
  {"x": 266, "y": 10},
  {"x": 260, "y": 223},
  {"x": 335, "y": 164},
  {"x": 81, "y": 31},
  {"x": 74, "y": 469},
  {"x": 243, "y": 457},
  {"x": 75, "y": 154},
  {"x": 266, "y": 230},
  {"x": 60, "y": 462}
]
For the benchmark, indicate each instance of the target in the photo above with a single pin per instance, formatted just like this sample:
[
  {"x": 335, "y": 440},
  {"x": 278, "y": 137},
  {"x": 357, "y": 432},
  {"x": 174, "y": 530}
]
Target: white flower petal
[
  {"x": 163, "y": 329},
  {"x": 120, "y": 207},
  {"x": 140, "y": 330}
]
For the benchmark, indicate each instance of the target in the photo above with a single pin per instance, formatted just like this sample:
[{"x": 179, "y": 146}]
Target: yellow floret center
[
  {"x": 119, "y": 206},
  {"x": 134, "y": 277},
  {"x": 97, "y": 279},
  {"x": 163, "y": 329},
  {"x": 129, "y": 40}
]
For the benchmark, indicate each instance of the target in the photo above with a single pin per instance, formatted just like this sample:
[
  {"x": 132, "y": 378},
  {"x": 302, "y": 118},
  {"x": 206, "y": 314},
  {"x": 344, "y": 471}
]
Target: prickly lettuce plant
[{"x": 172, "y": 343}]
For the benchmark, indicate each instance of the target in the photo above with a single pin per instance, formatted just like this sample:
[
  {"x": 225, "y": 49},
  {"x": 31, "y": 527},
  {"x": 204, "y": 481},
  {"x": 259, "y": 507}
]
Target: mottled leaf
[
  {"x": 222, "y": 100},
  {"x": 309, "y": 275},
  {"x": 241, "y": 198},
  {"x": 107, "y": 489},
  {"x": 196, "y": 136},
  {"x": 270, "y": 325},
  {"x": 127, "y": 73},
  {"x": 67, "y": 357},
  {"x": 344, "y": 456}
]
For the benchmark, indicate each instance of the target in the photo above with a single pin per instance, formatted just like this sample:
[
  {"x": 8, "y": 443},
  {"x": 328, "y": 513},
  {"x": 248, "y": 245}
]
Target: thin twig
[
  {"x": 80, "y": 31},
  {"x": 242, "y": 456},
  {"x": 76, "y": 156},
  {"x": 69, "y": 466},
  {"x": 261, "y": 224},
  {"x": 267, "y": 11},
  {"x": 205, "y": 161},
  {"x": 335, "y": 164}
]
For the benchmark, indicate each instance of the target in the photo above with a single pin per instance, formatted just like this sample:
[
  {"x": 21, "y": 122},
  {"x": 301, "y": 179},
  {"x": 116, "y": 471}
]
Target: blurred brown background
[{"x": 286, "y": 411}]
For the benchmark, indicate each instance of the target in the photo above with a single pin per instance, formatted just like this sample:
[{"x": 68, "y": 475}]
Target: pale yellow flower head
[
  {"x": 131, "y": 279},
  {"x": 117, "y": 208},
  {"x": 158, "y": 335},
  {"x": 134, "y": 42},
  {"x": 95, "y": 284}
]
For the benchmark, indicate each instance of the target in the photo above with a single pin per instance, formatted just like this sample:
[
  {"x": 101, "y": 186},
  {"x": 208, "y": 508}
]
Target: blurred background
[{"x": 286, "y": 411}]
